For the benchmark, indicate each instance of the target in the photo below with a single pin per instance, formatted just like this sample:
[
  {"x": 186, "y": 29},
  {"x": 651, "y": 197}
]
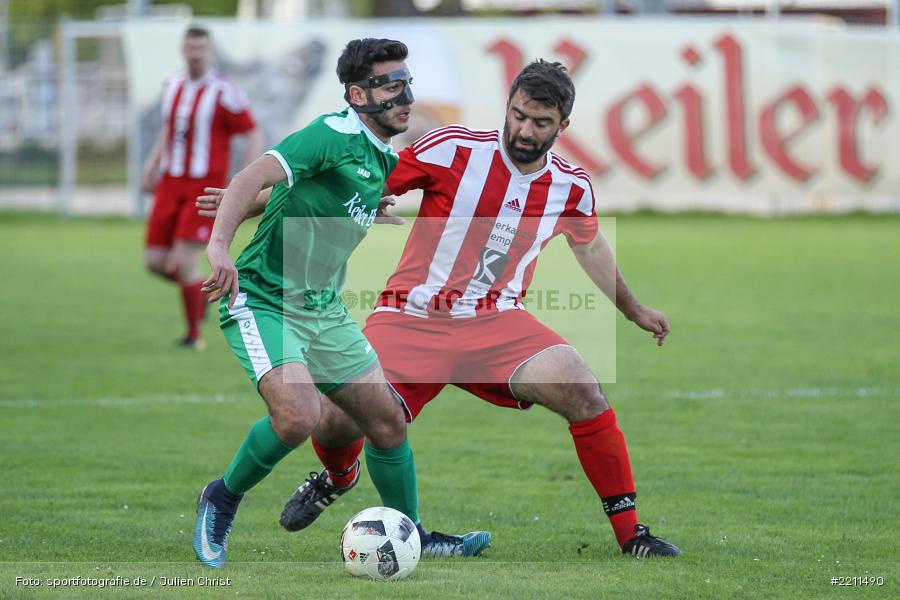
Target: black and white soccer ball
[{"x": 380, "y": 543}]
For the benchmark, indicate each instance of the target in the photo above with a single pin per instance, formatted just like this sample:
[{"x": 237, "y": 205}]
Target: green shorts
[{"x": 263, "y": 337}]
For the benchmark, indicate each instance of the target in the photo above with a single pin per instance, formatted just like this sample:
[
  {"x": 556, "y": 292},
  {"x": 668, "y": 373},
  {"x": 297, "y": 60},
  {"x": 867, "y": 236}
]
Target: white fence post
[
  {"x": 70, "y": 33},
  {"x": 68, "y": 118}
]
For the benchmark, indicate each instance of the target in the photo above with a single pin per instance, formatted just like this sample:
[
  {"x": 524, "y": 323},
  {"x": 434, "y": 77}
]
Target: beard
[
  {"x": 526, "y": 155},
  {"x": 387, "y": 127},
  {"x": 382, "y": 120}
]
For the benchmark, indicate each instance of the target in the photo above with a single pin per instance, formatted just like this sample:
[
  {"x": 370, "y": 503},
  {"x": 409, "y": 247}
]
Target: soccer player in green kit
[{"x": 281, "y": 311}]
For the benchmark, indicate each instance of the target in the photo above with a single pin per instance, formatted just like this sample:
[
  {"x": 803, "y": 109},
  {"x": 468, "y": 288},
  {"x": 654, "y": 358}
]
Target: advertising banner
[{"x": 670, "y": 114}]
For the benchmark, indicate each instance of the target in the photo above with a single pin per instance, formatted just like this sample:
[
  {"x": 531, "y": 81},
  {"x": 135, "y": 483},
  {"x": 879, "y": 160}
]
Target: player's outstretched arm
[
  {"x": 243, "y": 190},
  {"x": 597, "y": 260},
  {"x": 208, "y": 204}
]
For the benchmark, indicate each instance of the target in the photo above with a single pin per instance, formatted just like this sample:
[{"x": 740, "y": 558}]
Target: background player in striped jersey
[
  {"x": 201, "y": 113},
  {"x": 492, "y": 200}
]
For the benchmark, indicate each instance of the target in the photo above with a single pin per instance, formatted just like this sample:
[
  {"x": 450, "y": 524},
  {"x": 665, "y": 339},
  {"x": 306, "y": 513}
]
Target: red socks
[
  {"x": 342, "y": 464},
  {"x": 601, "y": 448},
  {"x": 194, "y": 307}
]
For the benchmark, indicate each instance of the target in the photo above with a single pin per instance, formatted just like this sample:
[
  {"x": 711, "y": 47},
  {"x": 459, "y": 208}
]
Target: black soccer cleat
[
  {"x": 643, "y": 544},
  {"x": 191, "y": 343},
  {"x": 312, "y": 497}
]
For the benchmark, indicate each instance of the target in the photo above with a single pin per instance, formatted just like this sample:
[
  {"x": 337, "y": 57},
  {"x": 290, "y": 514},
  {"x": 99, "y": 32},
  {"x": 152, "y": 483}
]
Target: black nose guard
[{"x": 403, "y": 98}]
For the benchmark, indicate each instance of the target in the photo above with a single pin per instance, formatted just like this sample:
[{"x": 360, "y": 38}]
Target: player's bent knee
[
  {"x": 593, "y": 396},
  {"x": 336, "y": 430},
  {"x": 594, "y": 403},
  {"x": 155, "y": 266},
  {"x": 156, "y": 259},
  {"x": 387, "y": 432},
  {"x": 187, "y": 270},
  {"x": 294, "y": 421},
  {"x": 585, "y": 401},
  {"x": 293, "y": 429}
]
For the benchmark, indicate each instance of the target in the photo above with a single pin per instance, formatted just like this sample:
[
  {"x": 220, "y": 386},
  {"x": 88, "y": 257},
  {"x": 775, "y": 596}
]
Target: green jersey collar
[{"x": 351, "y": 123}]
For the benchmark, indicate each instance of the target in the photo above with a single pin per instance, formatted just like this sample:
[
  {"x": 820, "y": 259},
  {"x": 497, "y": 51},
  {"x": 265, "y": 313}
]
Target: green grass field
[{"x": 765, "y": 435}]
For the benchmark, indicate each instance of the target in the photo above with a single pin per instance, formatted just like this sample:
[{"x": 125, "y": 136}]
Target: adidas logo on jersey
[
  {"x": 363, "y": 173},
  {"x": 513, "y": 205}
]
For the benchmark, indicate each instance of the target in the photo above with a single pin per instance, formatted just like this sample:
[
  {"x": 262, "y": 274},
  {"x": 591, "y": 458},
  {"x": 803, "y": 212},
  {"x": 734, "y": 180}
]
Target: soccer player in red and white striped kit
[
  {"x": 201, "y": 113},
  {"x": 453, "y": 310}
]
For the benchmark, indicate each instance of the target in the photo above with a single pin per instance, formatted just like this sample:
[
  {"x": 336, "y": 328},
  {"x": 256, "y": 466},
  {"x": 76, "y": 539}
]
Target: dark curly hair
[
  {"x": 355, "y": 63},
  {"x": 547, "y": 83}
]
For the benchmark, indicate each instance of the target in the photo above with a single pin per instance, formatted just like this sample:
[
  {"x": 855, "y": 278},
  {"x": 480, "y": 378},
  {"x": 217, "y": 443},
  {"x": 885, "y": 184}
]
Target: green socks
[
  {"x": 393, "y": 472},
  {"x": 257, "y": 456}
]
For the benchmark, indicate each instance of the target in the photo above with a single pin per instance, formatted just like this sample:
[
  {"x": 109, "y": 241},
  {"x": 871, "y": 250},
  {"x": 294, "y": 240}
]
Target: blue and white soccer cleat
[
  {"x": 216, "y": 508},
  {"x": 442, "y": 545}
]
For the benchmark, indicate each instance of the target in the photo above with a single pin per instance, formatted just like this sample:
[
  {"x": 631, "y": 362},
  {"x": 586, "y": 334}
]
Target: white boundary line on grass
[
  {"x": 708, "y": 394},
  {"x": 134, "y": 401},
  {"x": 800, "y": 392}
]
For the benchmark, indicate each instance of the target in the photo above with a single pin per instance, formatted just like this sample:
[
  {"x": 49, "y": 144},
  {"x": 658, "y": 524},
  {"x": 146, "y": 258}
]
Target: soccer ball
[{"x": 380, "y": 543}]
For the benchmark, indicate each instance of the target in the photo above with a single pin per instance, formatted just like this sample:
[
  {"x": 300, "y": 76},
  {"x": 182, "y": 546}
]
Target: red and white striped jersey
[
  {"x": 481, "y": 224},
  {"x": 199, "y": 117}
]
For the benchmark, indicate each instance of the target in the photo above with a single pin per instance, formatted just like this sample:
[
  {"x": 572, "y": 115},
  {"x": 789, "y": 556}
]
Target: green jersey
[{"x": 335, "y": 170}]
